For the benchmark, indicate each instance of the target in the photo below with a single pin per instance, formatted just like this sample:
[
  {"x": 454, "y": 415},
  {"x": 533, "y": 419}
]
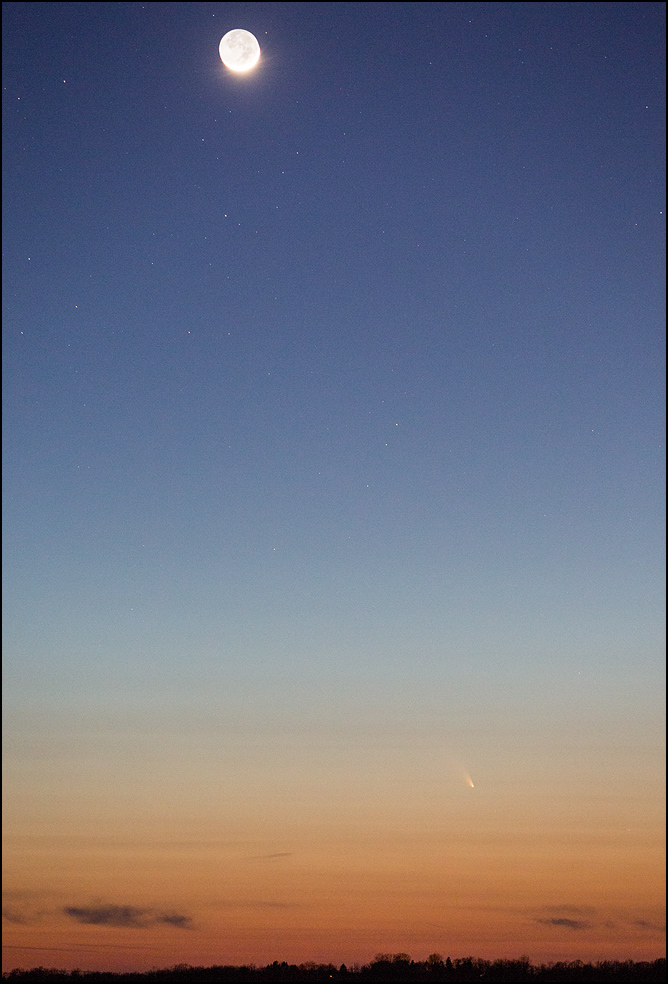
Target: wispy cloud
[
  {"x": 22, "y": 908},
  {"x": 269, "y": 905},
  {"x": 575, "y": 917},
  {"x": 175, "y": 919},
  {"x": 646, "y": 924},
  {"x": 125, "y": 916},
  {"x": 253, "y": 904},
  {"x": 271, "y": 857},
  {"x": 14, "y": 917},
  {"x": 570, "y": 910},
  {"x": 571, "y": 922},
  {"x": 108, "y": 915},
  {"x": 567, "y": 923},
  {"x": 79, "y": 947}
]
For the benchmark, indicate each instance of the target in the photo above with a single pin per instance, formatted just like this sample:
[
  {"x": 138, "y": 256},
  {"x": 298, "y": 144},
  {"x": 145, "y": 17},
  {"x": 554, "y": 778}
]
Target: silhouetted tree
[{"x": 397, "y": 968}]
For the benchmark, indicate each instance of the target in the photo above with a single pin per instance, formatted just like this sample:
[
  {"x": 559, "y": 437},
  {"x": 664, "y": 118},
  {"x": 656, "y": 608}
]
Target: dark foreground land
[{"x": 385, "y": 969}]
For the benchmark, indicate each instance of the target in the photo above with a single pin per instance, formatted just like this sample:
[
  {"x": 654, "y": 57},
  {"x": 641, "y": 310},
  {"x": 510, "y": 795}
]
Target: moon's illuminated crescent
[{"x": 239, "y": 50}]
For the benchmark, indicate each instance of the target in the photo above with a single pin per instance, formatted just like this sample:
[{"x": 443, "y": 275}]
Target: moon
[{"x": 239, "y": 50}]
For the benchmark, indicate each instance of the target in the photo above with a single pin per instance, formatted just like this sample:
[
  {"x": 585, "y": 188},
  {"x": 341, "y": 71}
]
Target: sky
[{"x": 334, "y": 483}]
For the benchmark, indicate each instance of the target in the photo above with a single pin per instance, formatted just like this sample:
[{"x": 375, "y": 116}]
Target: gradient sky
[{"x": 334, "y": 480}]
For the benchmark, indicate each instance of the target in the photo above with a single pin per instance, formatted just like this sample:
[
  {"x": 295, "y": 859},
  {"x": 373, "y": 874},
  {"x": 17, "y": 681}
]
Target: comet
[{"x": 461, "y": 772}]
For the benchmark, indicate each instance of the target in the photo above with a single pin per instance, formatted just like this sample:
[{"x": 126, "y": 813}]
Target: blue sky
[{"x": 339, "y": 384}]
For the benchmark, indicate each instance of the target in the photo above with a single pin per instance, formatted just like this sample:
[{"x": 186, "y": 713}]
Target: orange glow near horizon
[{"x": 453, "y": 877}]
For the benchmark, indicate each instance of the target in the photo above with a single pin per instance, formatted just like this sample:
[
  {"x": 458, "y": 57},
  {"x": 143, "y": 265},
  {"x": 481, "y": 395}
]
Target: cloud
[
  {"x": 14, "y": 917},
  {"x": 570, "y": 910},
  {"x": 125, "y": 917},
  {"x": 269, "y": 905},
  {"x": 174, "y": 919},
  {"x": 568, "y": 923},
  {"x": 645, "y": 924},
  {"x": 575, "y": 917},
  {"x": 108, "y": 915},
  {"x": 253, "y": 904},
  {"x": 270, "y": 857},
  {"x": 80, "y": 946}
]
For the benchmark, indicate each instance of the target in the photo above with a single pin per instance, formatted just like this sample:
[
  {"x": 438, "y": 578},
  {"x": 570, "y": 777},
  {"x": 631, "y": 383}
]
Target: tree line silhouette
[{"x": 386, "y": 968}]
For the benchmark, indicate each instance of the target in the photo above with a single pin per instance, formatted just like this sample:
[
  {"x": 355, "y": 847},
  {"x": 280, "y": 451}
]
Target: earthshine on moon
[{"x": 239, "y": 50}]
